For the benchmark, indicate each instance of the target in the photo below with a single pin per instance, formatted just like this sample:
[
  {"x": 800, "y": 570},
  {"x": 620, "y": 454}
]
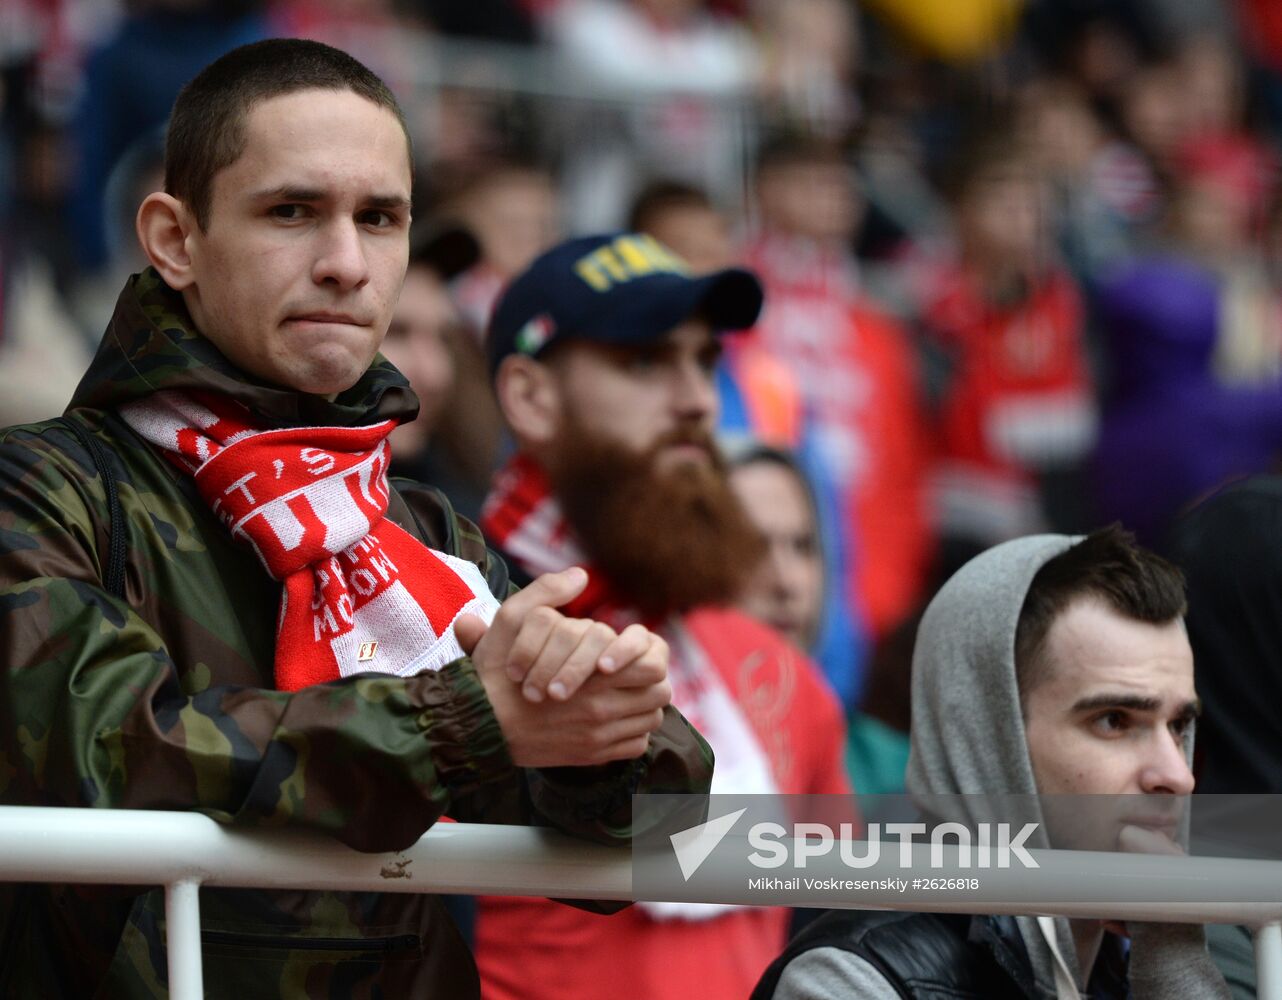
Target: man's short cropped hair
[
  {"x": 1107, "y": 565},
  {"x": 207, "y": 126},
  {"x": 661, "y": 196}
]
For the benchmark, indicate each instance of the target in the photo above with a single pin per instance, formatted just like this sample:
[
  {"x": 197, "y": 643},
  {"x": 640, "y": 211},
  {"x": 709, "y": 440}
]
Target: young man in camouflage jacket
[{"x": 171, "y": 685}]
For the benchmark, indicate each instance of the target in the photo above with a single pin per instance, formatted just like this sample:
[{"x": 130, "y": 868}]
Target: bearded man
[{"x": 604, "y": 353}]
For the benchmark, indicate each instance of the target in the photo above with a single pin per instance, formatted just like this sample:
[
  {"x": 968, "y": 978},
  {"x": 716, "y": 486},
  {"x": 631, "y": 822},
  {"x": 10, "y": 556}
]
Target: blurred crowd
[{"x": 1023, "y": 261}]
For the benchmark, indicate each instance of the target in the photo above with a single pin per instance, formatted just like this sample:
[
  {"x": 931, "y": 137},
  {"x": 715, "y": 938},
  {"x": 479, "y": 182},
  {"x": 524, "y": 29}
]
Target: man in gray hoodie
[{"x": 1047, "y": 665}]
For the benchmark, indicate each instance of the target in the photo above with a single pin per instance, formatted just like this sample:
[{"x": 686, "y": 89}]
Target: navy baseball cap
[{"x": 619, "y": 288}]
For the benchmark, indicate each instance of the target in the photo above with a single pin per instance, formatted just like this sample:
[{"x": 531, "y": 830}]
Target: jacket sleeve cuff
[
  {"x": 459, "y": 724},
  {"x": 591, "y": 801},
  {"x": 596, "y": 802}
]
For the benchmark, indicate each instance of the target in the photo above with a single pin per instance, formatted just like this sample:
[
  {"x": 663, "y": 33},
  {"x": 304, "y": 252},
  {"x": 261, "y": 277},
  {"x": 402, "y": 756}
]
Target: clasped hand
[{"x": 567, "y": 691}]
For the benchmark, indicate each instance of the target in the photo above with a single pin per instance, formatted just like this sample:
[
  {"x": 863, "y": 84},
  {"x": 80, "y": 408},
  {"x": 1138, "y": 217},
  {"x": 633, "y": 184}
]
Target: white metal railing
[{"x": 184, "y": 851}]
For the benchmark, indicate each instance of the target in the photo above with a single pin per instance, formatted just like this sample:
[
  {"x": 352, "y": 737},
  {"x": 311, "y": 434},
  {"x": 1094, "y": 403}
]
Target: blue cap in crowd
[{"x": 621, "y": 288}]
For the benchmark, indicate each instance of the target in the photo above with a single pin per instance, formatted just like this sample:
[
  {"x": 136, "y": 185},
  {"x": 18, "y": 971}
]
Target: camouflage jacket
[{"x": 164, "y": 700}]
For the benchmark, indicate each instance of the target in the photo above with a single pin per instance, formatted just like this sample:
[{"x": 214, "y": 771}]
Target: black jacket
[{"x": 937, "y": 955}]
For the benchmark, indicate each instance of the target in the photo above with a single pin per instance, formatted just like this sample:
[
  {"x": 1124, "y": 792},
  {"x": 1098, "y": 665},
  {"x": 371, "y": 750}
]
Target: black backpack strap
[
  {"x": 116, "y": 543},
  {"x": 501, "y": 575}
]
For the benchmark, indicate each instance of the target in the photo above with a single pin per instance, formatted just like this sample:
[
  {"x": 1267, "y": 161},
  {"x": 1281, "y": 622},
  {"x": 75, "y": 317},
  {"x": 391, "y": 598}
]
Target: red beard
[{"x": 666, "y": 541}]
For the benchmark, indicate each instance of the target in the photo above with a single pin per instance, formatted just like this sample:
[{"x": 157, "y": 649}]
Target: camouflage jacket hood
[
  {"x": 162, "y": 697},
  {"x": 151, "y": 344}
]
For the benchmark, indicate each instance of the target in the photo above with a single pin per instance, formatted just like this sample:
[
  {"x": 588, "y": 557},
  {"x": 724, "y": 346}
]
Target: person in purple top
[
  {"x": 1173, "y": 428},
  {"x": 1194, "y": 336}
]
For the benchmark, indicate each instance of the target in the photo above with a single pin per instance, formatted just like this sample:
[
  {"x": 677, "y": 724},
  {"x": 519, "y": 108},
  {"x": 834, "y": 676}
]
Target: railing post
[
  {"x": 182, "y": 916},
  {"x": 1268, "y": 962}
]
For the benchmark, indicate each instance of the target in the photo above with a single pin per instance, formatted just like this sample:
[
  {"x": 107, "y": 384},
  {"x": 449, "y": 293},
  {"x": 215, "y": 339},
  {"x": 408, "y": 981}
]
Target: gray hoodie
[{"x": 968, "y": 738}]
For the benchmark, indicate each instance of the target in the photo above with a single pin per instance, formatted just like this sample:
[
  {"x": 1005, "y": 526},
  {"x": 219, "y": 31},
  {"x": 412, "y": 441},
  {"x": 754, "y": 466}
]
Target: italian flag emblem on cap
[{"x": 531, "y": 337}]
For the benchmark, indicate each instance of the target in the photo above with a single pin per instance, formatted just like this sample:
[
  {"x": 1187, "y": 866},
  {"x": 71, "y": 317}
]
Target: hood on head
[{"x": 967, "y": 730}]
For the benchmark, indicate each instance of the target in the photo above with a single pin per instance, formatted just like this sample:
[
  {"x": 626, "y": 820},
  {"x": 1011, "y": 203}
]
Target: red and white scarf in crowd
[
  {"x": 523, "y": 519},
  {"x": 360, "y": 594}
]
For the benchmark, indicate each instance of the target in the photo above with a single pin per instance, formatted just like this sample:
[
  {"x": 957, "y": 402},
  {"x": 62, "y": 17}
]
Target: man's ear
[
  {"x": 529, "y": 395},
  {"x": 164, "y": 225}
]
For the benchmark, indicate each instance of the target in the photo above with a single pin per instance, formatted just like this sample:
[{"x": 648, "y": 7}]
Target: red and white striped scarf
[
  {"x": 523, "y": 519},
  {"x": 360, "y": 594}
]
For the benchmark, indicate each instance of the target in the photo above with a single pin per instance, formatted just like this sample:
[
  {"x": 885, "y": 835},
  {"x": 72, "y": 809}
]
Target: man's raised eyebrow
[
  {"x": 290, "y": 193},
  {"x": 1134, "y": 702}
]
